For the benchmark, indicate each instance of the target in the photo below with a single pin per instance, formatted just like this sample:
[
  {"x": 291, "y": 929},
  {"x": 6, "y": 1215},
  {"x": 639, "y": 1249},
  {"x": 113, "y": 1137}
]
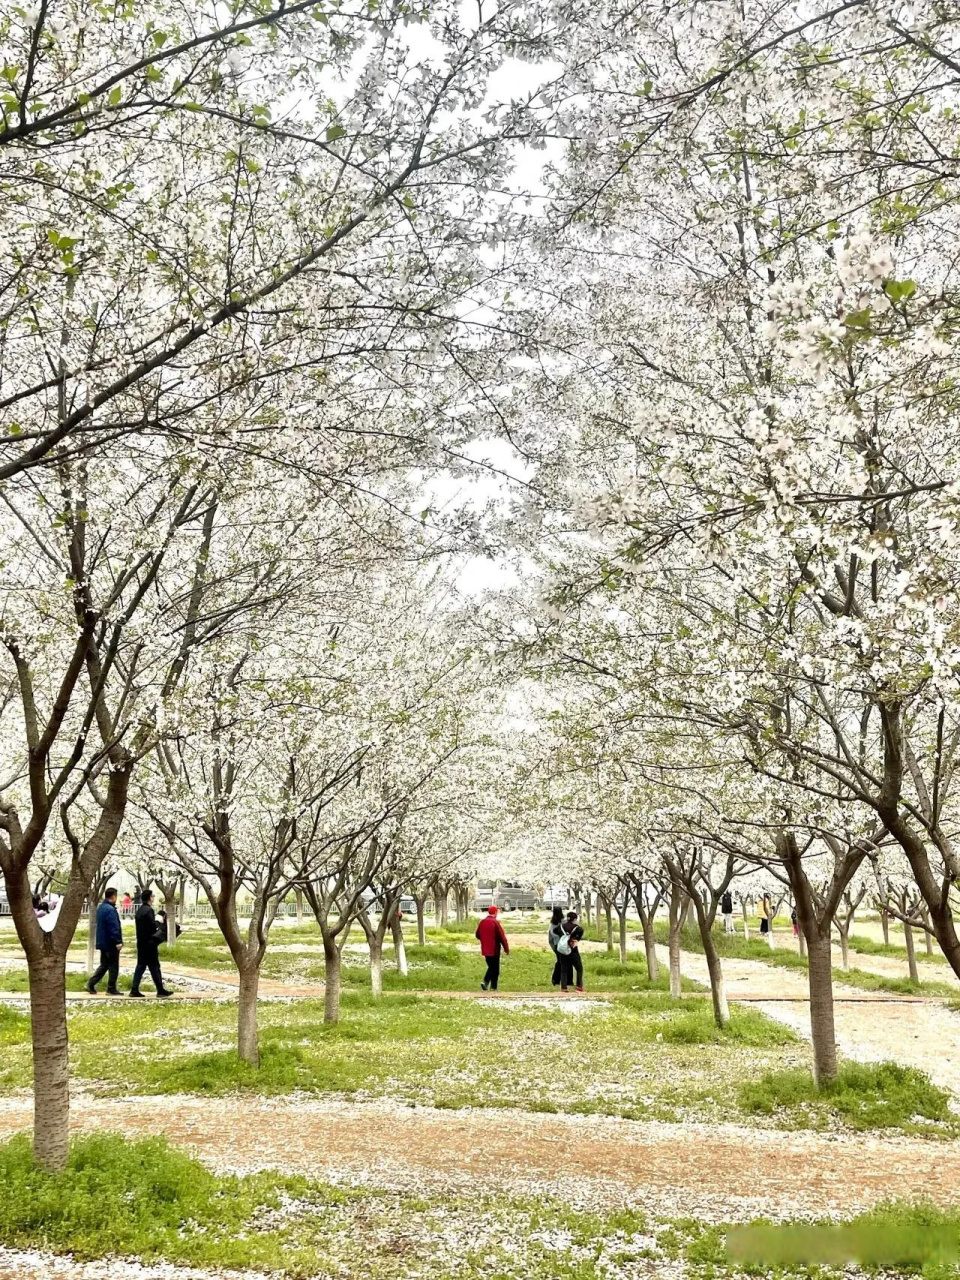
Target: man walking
[
  {"x": 493, "y": 940},
  {"x": 149, "y": 936},
  {"x": 109, "y": 943}
]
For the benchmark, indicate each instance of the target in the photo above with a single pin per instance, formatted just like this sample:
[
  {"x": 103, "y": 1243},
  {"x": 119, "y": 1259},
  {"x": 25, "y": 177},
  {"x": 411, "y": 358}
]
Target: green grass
[
  {"x": 876, "y": 1095},
  {"x": 147, "y": 1201},
  {"x": 14, "y": 1026},
  {"x": 900, "y": 1238},
  {"x": 868, "y": 947},
  {"x": 647, "y": 1056},
  {"x": 443, "y": 966}
]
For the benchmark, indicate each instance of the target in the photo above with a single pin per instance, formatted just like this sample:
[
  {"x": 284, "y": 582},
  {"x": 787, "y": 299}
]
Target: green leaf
[
  {"x": 159, "y": 38},
  {"x": 114, "y": 96},
  {"x": 334, "y": 132},
  {"x": 859, "y": 319},
  {"x": 899, "y": 290}
]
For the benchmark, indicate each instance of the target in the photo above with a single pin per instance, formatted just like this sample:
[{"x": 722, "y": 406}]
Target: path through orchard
[{"x": 870, "y": 1028}]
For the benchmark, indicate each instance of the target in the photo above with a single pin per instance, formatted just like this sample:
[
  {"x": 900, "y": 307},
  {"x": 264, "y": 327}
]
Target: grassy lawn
[
  {"x": 867, "y": 947},
  {"x": 163, "y": 1206},
  {"x": 642, "y": 1056}
]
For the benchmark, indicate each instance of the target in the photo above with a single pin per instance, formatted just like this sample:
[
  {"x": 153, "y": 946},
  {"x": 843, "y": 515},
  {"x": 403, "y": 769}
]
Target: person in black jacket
[
  {"x": 109, "y": 942},
  {"x": 149, "y": 936}
]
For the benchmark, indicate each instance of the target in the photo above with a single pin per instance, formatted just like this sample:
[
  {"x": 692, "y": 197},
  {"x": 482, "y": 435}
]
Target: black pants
[
  {"x": 557, "y": 970},
  {"x": 109, "y": 965},
  {"x": 149, "y": 961},
  {"x": 492, "y": 976},
  {"x": 570, "y": 965}
]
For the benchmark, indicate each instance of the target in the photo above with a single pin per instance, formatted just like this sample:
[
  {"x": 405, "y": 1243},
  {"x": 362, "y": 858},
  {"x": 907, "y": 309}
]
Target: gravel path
[
  {"x": 707, "y": 1171},
  {"x": 883, "y": 966},
  {"x": 922, "y": 1034}
]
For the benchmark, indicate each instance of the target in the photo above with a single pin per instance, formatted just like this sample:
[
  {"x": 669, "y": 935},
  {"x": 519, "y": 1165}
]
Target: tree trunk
[
  {"x": 608, "y": 912},
  {"x": 331, "y": 982},
  {"x": 421, "y": 922},
  {"x": 376, "y": 966},
  {"x": 248, "y": 1040},
  {"x": 885, "y": 926},
  {"x": 622, "y": 923},
  {"x": 746, "y": 922},
  {"x": 927, "y": 935},
  {"x": 721, "y": 1010},
  {"x": 930, "y": 886},
  {"x": 170, "y": 906},
  {"x": 51, "y": 1061},
  {"x": 650, "y": 947},
  {"x": 801, "y": 941},
  {"x": 911, "y": 953},
  {"x": 182, "y": 907},
  {"x": 397, "y": 930},
  {"x": 298, "y": 895},
  {"x": 845, "y": 947},
  {"x": 444, "y": 909},
  {"x": 674, "y": 948},
  {"x": 823, "y": 1033},
  {"x": 91, "y": 933}
]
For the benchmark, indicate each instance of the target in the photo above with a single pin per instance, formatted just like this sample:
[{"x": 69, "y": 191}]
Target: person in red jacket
[{"x": 492, "y": 941}]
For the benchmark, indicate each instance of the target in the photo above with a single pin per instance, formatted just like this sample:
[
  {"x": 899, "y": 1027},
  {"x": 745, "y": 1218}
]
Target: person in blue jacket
[{"x": 109, "y": 944}]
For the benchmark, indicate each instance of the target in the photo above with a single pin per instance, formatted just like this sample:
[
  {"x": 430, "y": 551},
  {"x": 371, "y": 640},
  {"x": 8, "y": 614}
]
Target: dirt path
[
  {"x": 713, "y": 1171},
  {"x": 202, "y": 984},
  {"x": 883, "y": 966},
  {"x": 918, "y": 1033}
]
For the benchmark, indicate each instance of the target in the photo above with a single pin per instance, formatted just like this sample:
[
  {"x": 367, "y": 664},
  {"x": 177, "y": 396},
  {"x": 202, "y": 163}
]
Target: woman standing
[{"x": 570, "y": 955}]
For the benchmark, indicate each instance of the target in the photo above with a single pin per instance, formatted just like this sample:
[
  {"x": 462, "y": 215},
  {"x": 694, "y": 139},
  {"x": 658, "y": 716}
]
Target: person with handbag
[
  {"x": 151, "y": 932},
  {"x": 568, "y": 949}
]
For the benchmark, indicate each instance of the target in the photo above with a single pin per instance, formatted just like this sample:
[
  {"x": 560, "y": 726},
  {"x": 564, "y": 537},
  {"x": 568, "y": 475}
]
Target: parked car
[{"x": 508, "y": 895}]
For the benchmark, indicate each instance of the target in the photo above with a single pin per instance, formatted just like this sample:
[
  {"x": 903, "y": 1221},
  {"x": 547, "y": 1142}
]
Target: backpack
[{"x": 563, "y": 944}]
